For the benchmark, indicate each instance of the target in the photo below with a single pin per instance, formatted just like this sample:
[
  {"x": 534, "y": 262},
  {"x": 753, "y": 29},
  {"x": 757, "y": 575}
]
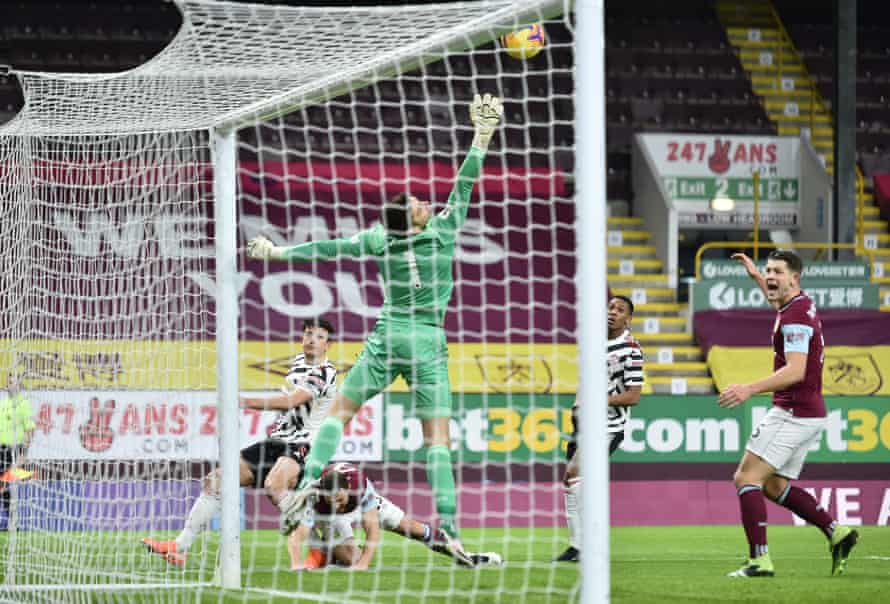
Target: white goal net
[{"x": 110, "y": 297}]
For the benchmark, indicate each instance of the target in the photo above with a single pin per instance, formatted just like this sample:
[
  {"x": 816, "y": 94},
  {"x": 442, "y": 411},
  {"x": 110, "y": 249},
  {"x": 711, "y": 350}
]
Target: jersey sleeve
[
  {"x": 633, "y": 367},
  {"x": 796, "y": 337},
  {"x": 317, "y": 382},
  {"x": 449, "y": 221},
  {"x": 363, "y": 243}
]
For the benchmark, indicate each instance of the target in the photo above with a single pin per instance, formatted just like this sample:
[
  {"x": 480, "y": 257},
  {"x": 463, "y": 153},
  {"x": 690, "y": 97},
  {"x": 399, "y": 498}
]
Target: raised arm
[
  {"x": 755, "y": 274},
  {"x": 485, "y": 114}
]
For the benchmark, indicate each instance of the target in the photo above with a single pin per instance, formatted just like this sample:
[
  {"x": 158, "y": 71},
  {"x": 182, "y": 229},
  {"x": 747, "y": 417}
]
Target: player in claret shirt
[
  {"x": 778, "y": 446},
  {"x": 343, "y": 497}
]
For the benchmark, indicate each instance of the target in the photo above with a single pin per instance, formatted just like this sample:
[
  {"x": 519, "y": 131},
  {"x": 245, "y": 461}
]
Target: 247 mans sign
[{"x": 695, "y": 169}]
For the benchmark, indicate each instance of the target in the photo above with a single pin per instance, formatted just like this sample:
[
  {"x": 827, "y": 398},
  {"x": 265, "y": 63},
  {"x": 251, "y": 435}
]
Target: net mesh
[{"x": 106, "y": 182}]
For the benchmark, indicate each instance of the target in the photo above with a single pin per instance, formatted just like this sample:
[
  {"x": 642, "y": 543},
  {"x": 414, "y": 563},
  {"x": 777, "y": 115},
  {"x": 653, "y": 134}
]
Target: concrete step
[
  {"x": 825, "y": 132},
  {"x": 774, "y": 71},
  {"x": 874, "y": 226},
  {"x": 646, "y": 295},
  {"x": 660, "y": 309},
  {"x": 674, "y": 354},
  {"x": 619, "y": 223},
  {"x": 870, "y": 212},
  {"x": 882, "y": 239},
  {"x": 677, "y": 369},
  {"x": 803, "y": 119},
  {"x": 650, "y": 280},
  {"x": 753, "y": 35},
  {"x": 801, "y": 96},
  {"x": 627, "y": 237},
  {"x": 771, "y": 81},
  {"x": 781, "y": 56},
  {"x": 647, "y": 325},
  {"x": 663, "y": 339},
  {"x": 631, "y": 252},
  {"x": 633, "y": 267},
  {"x": 680, "y": 386},
  {"x": 779, "y": 104}
]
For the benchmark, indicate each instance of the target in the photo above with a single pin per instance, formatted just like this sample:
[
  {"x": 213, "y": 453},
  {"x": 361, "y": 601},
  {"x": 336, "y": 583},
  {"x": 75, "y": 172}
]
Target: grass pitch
[{"x": 649, "y": 564}]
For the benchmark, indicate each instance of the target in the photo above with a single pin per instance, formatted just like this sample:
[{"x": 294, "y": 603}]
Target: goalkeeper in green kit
[{"x": 414, "y": 251}]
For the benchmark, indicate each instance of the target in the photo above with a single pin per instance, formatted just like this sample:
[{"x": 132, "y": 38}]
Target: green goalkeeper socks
[
  {"x": 441, "y": 478},
  {"x": 323, "y": 448}
]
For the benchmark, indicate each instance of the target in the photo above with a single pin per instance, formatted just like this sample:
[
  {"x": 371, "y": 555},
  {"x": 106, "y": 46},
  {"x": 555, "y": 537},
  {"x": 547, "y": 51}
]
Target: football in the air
[{"x": 524, "y": 43}]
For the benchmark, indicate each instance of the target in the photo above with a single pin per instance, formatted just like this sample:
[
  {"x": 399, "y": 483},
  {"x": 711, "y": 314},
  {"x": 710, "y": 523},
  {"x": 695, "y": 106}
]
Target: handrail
[
  {"x": 769, "y": 244},
  {"x": 860, "y": 209}
]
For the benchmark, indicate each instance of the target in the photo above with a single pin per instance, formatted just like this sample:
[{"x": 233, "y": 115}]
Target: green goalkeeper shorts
[{"x": 419, "y": 353}]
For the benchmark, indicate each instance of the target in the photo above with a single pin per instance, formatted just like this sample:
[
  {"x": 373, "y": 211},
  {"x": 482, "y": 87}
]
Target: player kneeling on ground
[{"x": 343, "y": 497}]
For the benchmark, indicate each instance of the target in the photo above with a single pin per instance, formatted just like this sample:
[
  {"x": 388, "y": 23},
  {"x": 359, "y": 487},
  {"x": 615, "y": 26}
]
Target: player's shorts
[
  {"x": 614, "y": 438},
  {"x": 782, "y": 440},
  {"x": 419, "y": 353},
  {"x": 261, "y": 456}
]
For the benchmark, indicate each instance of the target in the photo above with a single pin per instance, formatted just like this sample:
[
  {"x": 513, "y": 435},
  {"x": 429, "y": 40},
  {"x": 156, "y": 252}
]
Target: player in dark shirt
[{"x": 777, "y": 448}]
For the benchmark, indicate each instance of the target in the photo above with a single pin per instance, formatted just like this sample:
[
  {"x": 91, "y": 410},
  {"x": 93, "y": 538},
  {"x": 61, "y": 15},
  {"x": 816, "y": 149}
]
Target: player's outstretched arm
[
  {"x": 360, "y": 244},
  {"x": 281, "y": 402},
  {"x": 751, "y": 268}
]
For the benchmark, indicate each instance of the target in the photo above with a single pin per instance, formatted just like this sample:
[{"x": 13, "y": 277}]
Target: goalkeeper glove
[
  {"x": 260, "y": 248},
  {"x": 485, "y": 113}
]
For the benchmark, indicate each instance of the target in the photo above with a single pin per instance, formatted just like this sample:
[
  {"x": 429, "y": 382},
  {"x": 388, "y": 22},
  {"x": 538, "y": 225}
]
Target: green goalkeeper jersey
[{"x": 416, "y": 270}]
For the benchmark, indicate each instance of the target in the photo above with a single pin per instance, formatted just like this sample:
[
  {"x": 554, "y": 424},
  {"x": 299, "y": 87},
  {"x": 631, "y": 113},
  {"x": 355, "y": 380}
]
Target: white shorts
[
  {"x": 328, "y": 534},
  {"x": 783, "y": 440}
]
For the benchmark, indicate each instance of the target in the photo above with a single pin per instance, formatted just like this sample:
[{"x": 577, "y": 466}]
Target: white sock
[
  {"x": 205, "y": 507},
  {"x": 573, "y": 516}
]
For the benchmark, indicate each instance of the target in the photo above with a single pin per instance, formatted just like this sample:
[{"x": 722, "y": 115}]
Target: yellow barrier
[
  {"x": 848, "y": 370},
  {"x": 472, "y": 367}
]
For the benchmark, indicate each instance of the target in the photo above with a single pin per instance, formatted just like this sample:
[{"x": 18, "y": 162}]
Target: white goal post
[{"x": 130, "y": 312}]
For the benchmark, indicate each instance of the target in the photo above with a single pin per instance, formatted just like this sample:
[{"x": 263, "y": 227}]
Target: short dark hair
[
  {"x": 790, "y": 258},
  {"x": 333, "y": 482},
  {"x": 318, "y": 322},
  {"x": 630, "y": 304},
  {"x": 395, "y": 216}
]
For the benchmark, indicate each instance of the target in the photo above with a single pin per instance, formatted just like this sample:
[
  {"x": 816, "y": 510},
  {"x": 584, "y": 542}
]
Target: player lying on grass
[
  {"x": 343, "y": 497},
  {"x": 276, "y": 463}
]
